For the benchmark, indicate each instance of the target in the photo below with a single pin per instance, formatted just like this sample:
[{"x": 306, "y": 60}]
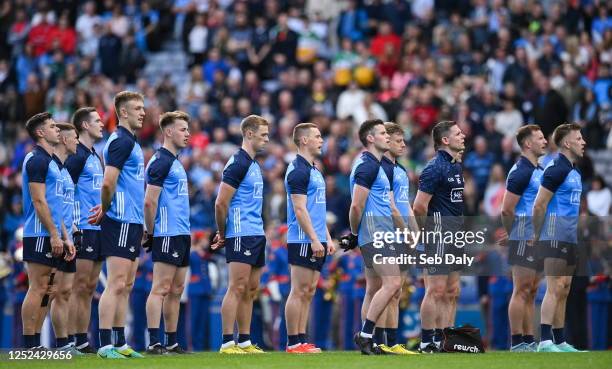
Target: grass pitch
[{"x": 338, "y": 359}]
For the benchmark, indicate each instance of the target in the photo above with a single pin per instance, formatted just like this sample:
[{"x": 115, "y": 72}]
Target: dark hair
[
  {"x": 35, "y": 122},
  {"x": 525, "y": 131},
  {"x": 80, "y": 116},
  {"x": 394, "y": 128},
  {"x": 299, "y": 131},
  {"x": 440, "y": 130},
  {"x": 563, "y": 130},
  {"x": 366, "y": 129},
  {"x": 125, "y": 96},
  {"x": 168, "y": 118}
]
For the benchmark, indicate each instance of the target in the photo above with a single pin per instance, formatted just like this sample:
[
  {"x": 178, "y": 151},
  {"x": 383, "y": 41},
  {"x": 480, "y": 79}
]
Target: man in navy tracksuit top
[{"x": 440, "y": 198}]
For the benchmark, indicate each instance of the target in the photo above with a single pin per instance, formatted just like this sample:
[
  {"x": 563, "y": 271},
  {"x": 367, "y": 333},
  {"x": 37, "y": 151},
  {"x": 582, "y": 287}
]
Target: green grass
[{"x": 351, "y": 360}]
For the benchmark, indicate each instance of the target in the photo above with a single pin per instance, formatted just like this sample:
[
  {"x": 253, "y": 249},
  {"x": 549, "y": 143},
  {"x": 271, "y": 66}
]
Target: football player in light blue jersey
[
  {"x": 373, "y": 210},
  {"x": 555, "y": 225},
  {"x": 168, "y": 231},
  {"x": 521, "y": 190},
  {"x": 240, "y": 228},
  {"x": 386, "y": 332},
  {"x": 86, "y": 169},
  {"x": 64, "y": 276},
  {"x": 308, "y": 239},
  {"x": 43, "y": 198},
  {"x": 120, "y": 215}
]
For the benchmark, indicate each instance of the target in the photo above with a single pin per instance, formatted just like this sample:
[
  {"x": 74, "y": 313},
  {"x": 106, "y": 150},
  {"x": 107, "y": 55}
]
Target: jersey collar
[
  {"x": 126, "y": 132},
  {"x": 445, "y": 155},
  {"x": 529, "y": 163},
  {"x": 43, "y": 151},
  {"x": 371, "y": 156},
  {"x": 167, "y": 152},
  {"x": 246, "y": 154},
  {"x": 566, "y": 161},
  {"x": 306, "y": 162}
]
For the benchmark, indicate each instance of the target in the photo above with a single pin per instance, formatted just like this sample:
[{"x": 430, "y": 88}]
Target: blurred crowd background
[{"x": 490, "y": 65}]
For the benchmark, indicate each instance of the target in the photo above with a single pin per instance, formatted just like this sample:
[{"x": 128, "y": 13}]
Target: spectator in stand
[{"x": 479, "y": 163}]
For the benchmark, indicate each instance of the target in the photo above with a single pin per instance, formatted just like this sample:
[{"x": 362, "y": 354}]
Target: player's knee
[
  {"x": 118, "y": 287},
  {"x": 238, "y": 287},
  {"x": 177, "y": 289},
  {"x": 452, "y": 293},
  {"x": 438, "y": 293},
  {"x": 393, "y": 284},
  {"x": 64, "y": 294},
  {"x": 251, "y": 291}
]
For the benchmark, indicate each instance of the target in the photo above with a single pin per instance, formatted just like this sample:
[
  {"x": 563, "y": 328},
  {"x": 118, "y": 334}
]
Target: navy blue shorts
[
  {"x": 439, "y": 249},
  {"x": 66, "y": 266},
  {"x": 120, "y": 239},
  {"x": 246, "y": 249},
  {"x": 521, "y": 254},
  {"x": 38, "y": 250},
  {"x": 300, "y": 254},
  {"x": 557, "y": 250},
  {"x": 91, "y": 247},
  {"x": 173, "y": 250}
]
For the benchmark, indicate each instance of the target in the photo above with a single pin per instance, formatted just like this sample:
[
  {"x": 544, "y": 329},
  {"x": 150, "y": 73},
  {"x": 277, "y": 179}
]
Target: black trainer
[
  {"x": 366, "y": 345},
  {"x": 87, "y": 350},
  {"x": 157, "y": 349},
  {"x": 431, "y": 348},
  {"x": 177, "y": 350}
]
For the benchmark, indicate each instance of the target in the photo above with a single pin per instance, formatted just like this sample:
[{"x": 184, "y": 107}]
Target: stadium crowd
[{"x": 492, "y": 66}]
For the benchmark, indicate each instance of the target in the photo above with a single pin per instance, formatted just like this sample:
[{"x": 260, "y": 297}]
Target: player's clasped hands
[
  {"x": 57, "y": 246},
  {"x": 217, "y": 242},
  {"x": 96, "y": 215}
]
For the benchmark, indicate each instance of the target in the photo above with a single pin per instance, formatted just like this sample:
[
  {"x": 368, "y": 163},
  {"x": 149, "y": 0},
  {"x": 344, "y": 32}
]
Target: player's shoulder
[
  {"x": 240, "y": 158},
  {"x": 38, "y": 157},
  {"x": 367, "y": 161},
  {"x": 558, "y": 166}
]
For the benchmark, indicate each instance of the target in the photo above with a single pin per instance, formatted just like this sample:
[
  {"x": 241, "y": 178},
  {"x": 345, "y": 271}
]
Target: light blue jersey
[
  {"x": 166, "y": 171},
  {"x": 561, "y": 223},
  {"x": 244, "y": 217},
  {"x": 85, "y": 168},
  {"x": 39, "y": 167},
  {"x": 524, "y": 181},
  {"x": 368, "y": 172},
  {"x": 303, "y": 178},
  {"x": 124, "y": 153},
  {"x": 401, "y": 186}
]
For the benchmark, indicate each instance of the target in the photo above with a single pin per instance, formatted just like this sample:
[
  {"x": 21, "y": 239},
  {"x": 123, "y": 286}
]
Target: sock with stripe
[
  {"x": 545, "y": 332},
  {"x": 427, "y": 337},
  {"x": 105, "y": 337},
  {"x": 153, "y": 337},
  {"x": 558, "y": 335},
  {"x": 379, "y": 336},
  {"x": 170, "y": 339},
  {"x": 368, "y": 328},
  {"x": 119, "y": 334}
]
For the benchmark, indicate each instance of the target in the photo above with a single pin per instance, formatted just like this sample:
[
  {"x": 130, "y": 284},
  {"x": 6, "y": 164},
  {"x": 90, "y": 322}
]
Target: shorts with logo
[
  {"x": 441, "y": 249},
  {"x": 120, "y": 239},
  {"x": 521, "y": 254},
  {"x": 173, "y": 250},
  {"x": 246, "y": 249},
  {"x": 38, "y": 250},
  {"x": 91, "y": 245},
  {"x": 557, "y": 250},
  {"x": 300, "y": 254}
]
